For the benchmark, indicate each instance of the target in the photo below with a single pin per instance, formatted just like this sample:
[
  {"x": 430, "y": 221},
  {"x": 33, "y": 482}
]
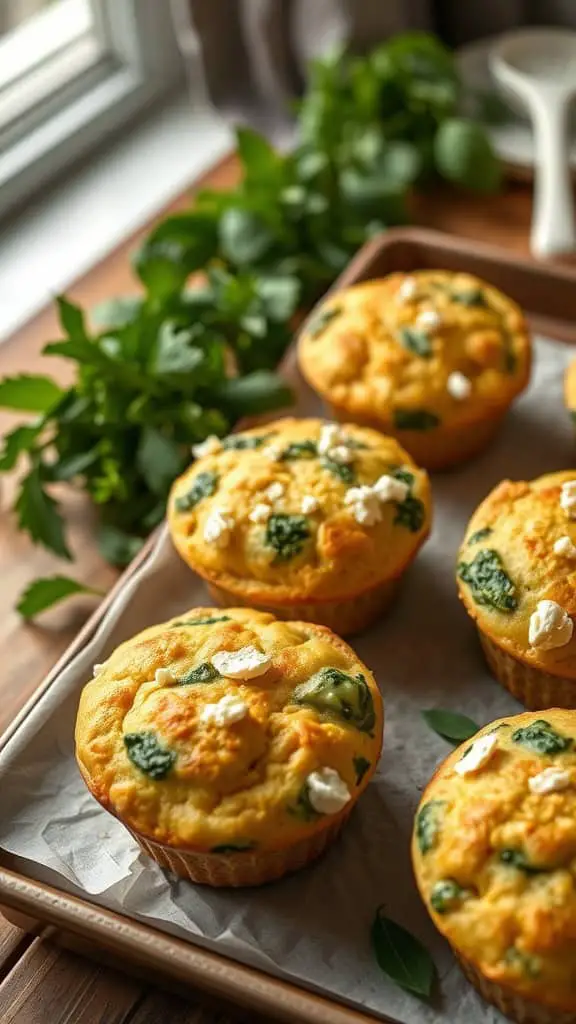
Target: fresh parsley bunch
[{"x": 165, "y": 369}]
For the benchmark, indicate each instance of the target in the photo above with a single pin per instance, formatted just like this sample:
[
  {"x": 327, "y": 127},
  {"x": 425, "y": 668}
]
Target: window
[{"x": 72, "y": 72}]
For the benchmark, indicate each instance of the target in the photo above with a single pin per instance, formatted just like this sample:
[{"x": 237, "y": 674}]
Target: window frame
[{"x": 142, "y": 64}]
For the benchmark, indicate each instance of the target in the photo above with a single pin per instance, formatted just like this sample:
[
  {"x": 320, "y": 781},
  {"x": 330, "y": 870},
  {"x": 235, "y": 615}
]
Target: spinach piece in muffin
[
  {"x": 470, "y": 297},
  {"x": 524, "y": 962},
  {"x": 518, "y": 859},
  {"x": 302, "y": 808},
  {"x": 239, "y": 847},
  {"x": 361, "y": 766},
  {"x": 415, "y": 341},
  {"x": 287, "y": 534},
  {"x": 428, "y": 824},
  {"x": 204, "y": 673},
  {"x": 410, "y": 512},
  {"x": 541, "y": 738},
  {"x": 488, "y": 581},
  {"x": 415, "y": 419},
  {"x": 240, "y": 442},
  {"x": 299, "y": 450},
  {"x": 334, "y": 693},
  {"x": 203, "y": 486},
  {"x": 206, "y": 621},
  {"x": 341, "y": 470},
  {"x": 447, "y": 895},
  {"x": 319, "y": 321},
  {"x": 482, "y": 534},
  {"x": 148, "y": 754}
]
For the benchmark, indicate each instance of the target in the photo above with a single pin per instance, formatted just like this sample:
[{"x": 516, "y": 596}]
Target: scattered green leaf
[
  {"x": 45, "y": 593},
  {"x": 29, "y": 393},
  {"x": 450, "y": 725},
  {"x": 401, "y": 956},
  {"x": 38, "y": 514}
]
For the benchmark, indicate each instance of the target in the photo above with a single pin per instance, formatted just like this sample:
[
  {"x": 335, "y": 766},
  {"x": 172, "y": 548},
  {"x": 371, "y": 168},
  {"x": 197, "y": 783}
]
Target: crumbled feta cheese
[
  {"x": 388, "y": 488},
  {"x": 218, "y": 528},
  {"x": 226, "y": 711},
  {"x": 551, "y": 780},
  {"x": 550, "y": 626},
  {"x": 330, "y": 436},
  {"x": 327, "y": 791},
  {"x": 407, "y": 290},
  {"x": 568, "y": 498},
  {"x": 247, "y": 663},
  {"x": 97, "y": 669},
  {"x": 429, "y": 320},
  {"x": 210, "y": 446},
  {"x": 275, "y": 491},
  {"x": 260, "y": 513},
  {"x": 365, "y": 505},
  {"x": 164, "y": 677},
  {"x": 272, "y": 451},
  {"x": 340, "y": 454},
  {"x": 477, "y": 756},
  {"x": 309, "y": 504},
  {"x": 459, "y": 386},
  {"x": 564, "y": 546}
]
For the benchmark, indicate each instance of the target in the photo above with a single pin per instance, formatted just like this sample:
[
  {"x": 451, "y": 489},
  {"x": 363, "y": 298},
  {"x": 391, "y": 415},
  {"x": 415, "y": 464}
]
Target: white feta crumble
[
  {"x": 365, "y": 505},
  {"x": 477, "y": 756},
  {"x": 568, "y": 498},
  {"x": 260, "y": 513},
  {"x": 429, "y": 320},
  {"x": 459, "y": 386},
  {"x": 97, "y": 668},
  {"x": 210, "y": 446},
  {"x": 309, "y": 504},
  {"x": 550, "y": 626},
  {"x": 407, "y": 289},
  {"x": 273, "y": 452},
  {"x": 218, "y": 528},
  {"x": 388, "y": 488},
  {"x": 226, "y": 711},
  {"x": 275, "y": 491},
  {"x": 247, "y": 663},
  {"x": 340, "y": 454},
  {"x": 551, "y": 780},
  {"x": 327, "y": 791},
  {"x": 564, "y": 546},
  {"x": 163, "y": 677}
]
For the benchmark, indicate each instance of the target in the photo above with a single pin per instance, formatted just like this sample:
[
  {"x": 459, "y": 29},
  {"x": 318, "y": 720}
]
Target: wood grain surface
[{"x": 39, "y": 980}]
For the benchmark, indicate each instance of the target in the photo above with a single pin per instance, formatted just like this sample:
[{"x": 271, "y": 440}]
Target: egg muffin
[
  {"x": 494, "y": 853},
  {"x": 302, "y": 518},
  {"x": 434, "y": 358},
  {"x": 517, "y": 579},
  {"x": 570, "y": 390},
  {"x": 231, "y": 745}
]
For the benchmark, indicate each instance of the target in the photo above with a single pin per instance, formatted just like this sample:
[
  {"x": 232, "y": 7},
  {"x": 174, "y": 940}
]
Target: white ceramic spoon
[{"x": 537, "y": 67}]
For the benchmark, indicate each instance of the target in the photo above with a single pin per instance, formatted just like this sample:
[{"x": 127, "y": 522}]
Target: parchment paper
[{"x": 312, "y": 928}]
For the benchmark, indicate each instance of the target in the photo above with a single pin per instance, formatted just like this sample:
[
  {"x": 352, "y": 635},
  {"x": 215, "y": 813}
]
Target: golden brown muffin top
[
  {"x": 494, "y": 851},
  {"x": 517, "y": 570},
  {"x": 229, "y": 730},
  {"x": 418, "y": 350},
  {"x": 570, "y": 388},
  {"x": 300, "y": 508}
]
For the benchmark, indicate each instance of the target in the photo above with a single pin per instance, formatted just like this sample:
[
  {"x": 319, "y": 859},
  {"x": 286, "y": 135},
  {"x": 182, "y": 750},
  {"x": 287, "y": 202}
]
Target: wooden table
[{"x": 39, "y": 980}]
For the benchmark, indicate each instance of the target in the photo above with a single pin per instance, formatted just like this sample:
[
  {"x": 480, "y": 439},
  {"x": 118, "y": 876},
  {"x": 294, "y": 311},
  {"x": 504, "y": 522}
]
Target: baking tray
[{"x": 548, "y": 295}]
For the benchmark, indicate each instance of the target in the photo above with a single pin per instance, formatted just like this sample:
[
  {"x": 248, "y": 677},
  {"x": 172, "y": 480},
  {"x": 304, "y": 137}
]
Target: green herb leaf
[
  {"x": 159, "y": 460},
  {"x": 470, "y": 297},
  {"x": 464, "y": 155},
  {"x": 415, "y": 341},
  {"x": 519, "y": 860},
  {"x": 240, "y": 442},
  {"x": 488, "y": 581},
  {"x": 239, "y": 847},
  {"x": 338, "y": 695},
  {"x": 204, "y": 673},
  {"x": 244, "y": 237},
  {"x": 44, "y": 593},
  {"x": 204, "y": 485},
  {"x": 254, "y": 393},
  {"x": 480, "y": 535},
  {"x": 287, "y": 534},
  {"x": 361, "y": 766},
  {"x": 401, "y": 956},
  {"x": 450, "y": 725},
  {"x": 38, "y": 514},
  {"x": 116, "y": 312},
  {"x": 148, "y": 754},
  {"x": 541, "y": 738},
  {"x": 71, "y": 318},
  {"x": 446, "y": 895},
  {"x": 117, "y": 546},
  {"x": 29, "y": 393},
  {"x": 343, "y": 472},
  {"x": 415, "y": 419},
  {"x": 300, "y": 450},
  {"x": 428, "y": 824},
  {"x": 319, "y": 321},
  {"x": 17, "y": 443}
]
